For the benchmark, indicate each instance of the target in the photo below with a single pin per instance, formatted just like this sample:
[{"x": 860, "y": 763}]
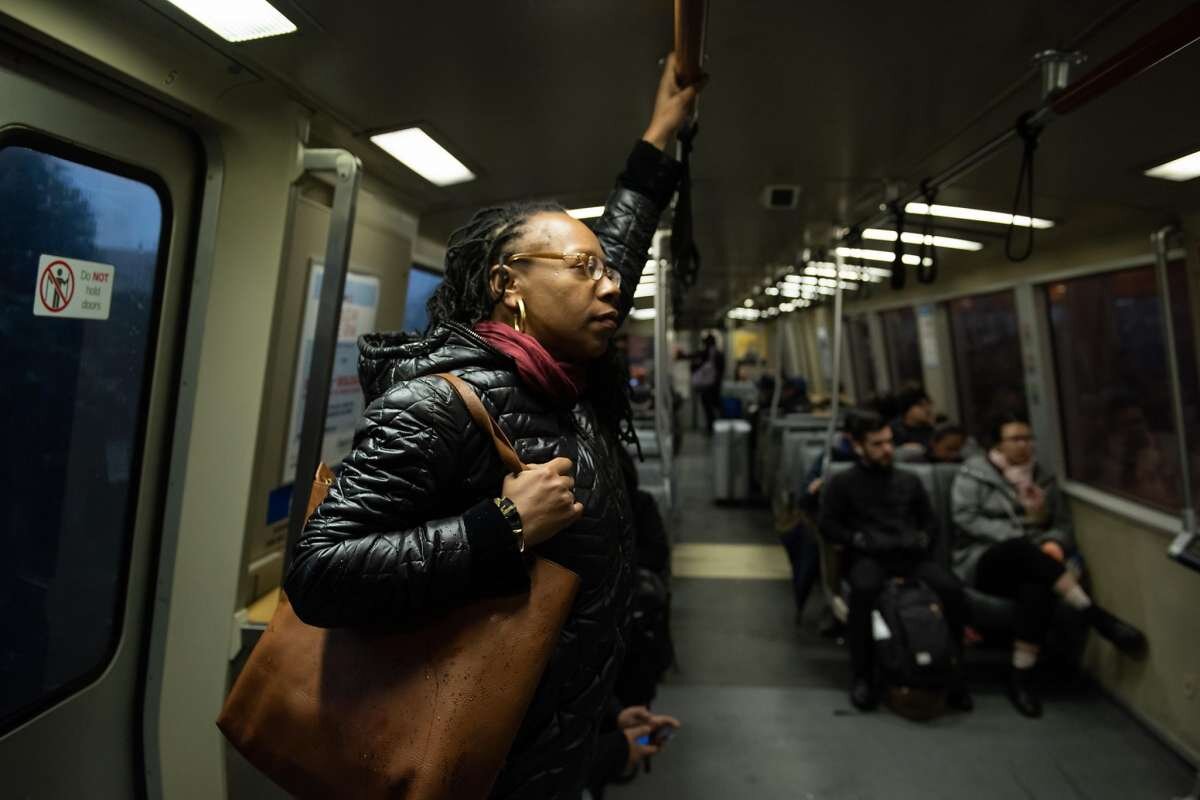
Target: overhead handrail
[
  {"x": 1187, "y": 535},
  {"x": 689, "y": 40},
  {"x": 1160, "y": 44},
  {"x": 347, "y": 171}
]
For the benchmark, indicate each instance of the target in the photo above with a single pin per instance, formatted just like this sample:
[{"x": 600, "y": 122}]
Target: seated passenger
[
  {"x": 883, "y": 517},
  {"x": 1015, "y": 536},
  {"x": 800, "y": 540},
  {"x": 912, "y": 427},
  {"x": 946, "y": 444}
]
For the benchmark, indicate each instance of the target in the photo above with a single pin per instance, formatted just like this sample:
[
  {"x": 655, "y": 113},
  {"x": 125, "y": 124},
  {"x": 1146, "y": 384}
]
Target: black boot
[
  {"x": 1125, "y": 637},
  {"x": 1022, "y": 694},
  {"x": 862, "y": 694},
  {"x": 959, "y": 698}
]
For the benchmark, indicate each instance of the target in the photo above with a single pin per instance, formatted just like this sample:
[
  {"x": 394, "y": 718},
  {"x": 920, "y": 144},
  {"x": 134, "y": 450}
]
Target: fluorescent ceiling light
[
  {"x": 744, "y": 313},
  {"x": 1181, "y": 169},
  {"x": 589, "y": 213},
  {"x": 645, "y": 290},
  {"x": 976, "y": 215},
  {"x": 880, "y": 255},
  {"x": 651, "y": 267},
  {"x": 882, "y": 235},
  {"x": 847, "y": 273},
  {"x": 643, "y": 313},
  {"x": 237, "y": 20},
  {"x": 771, "y": 290},
  {"x": 415, "y": 149}
]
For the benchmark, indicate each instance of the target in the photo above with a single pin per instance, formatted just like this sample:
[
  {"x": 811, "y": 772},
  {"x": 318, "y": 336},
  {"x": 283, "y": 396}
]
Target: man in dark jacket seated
[{"x": 883, "y": 517}]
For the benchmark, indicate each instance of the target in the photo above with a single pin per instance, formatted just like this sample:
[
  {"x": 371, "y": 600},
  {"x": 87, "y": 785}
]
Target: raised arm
[{"x": 645, "y": 187}]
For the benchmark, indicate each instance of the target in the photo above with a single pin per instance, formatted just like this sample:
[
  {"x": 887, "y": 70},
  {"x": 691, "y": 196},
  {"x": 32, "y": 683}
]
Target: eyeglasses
[
  {"x": 1019, "y": 439},
  {"x": 591, "y": 266}
]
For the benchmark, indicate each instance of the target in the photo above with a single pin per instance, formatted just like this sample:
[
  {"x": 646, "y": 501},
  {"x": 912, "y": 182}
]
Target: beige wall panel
[
  {"x": 381, "y": 247},
  {"x": 1133, "y": 577}
]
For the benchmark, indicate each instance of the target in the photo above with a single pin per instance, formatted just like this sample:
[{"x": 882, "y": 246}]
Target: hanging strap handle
[
  {"x": 508, "y": 455},
  {"x": 1029, "y": 135}
]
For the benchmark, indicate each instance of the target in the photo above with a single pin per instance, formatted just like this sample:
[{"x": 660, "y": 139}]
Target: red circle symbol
[{"x": 57, "y": 286}]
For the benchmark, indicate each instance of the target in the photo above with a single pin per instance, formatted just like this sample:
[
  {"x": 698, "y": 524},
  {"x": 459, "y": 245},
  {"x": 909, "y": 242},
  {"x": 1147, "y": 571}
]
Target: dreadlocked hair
[{"x": 464, "y": 296}]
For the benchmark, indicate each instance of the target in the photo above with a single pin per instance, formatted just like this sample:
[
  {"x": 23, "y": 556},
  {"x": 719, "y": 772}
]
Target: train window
[
  {"x": 903, "y": 348},
  {"x": 1111, "y": 361},
  {"x": 862, "y": 358},
  {"x": 82, "y": 255},
  {"x": 987, "y": 359},
  {"x": 422, "y": 282}
]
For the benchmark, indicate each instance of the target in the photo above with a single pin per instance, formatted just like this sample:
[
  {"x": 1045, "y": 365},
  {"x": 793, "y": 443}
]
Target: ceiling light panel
[
  {"x": 1181, "y": 169},
  {"x": 976, "y": 215},
  {"x": 588, "y": 212},
  {"x": 949, "y": 242},
  {"x": 881, "y": 255},
  {"x": 237, "y": 20},
  {"x": 417, "y": 150}
]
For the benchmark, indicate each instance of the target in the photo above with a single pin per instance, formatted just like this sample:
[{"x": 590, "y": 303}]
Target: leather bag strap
[{"x": 508, "y": 455}]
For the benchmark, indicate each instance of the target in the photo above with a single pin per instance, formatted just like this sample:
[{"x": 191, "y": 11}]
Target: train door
[{"x": 96, "y": 203}]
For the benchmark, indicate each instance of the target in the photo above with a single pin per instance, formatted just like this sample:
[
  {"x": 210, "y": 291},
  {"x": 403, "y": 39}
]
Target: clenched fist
[{"x": 545, "y": 498}]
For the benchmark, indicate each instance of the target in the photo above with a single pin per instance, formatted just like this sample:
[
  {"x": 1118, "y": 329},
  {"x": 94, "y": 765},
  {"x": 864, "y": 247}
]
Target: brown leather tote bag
[{"x": 425, "y": 712}]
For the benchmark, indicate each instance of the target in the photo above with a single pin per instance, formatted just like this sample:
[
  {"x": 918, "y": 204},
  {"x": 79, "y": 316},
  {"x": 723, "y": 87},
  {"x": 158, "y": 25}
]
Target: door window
[{"x": 82, "y": 246}]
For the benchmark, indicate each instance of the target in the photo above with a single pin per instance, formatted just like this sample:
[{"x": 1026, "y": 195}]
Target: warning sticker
[{"x": 68, "y": 287}]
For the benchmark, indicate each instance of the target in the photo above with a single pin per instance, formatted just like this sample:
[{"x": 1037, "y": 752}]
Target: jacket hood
[
  {"x": 385, "y": 359},
  {"x": 981, "y": 468}
]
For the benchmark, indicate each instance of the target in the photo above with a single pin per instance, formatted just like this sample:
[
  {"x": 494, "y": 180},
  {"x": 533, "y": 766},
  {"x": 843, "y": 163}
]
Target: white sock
[
  {"x": 1024, "y": 659},
  {"x": 1077, "y": 598}
]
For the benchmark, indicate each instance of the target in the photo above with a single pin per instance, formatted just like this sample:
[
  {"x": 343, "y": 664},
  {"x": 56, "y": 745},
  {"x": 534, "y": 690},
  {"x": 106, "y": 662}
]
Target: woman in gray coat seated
[{"x": 1014, "y": 540}]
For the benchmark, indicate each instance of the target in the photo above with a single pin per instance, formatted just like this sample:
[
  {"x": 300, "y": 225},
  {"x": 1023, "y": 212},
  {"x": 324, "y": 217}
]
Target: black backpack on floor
[{"x": 919, "y": 659}]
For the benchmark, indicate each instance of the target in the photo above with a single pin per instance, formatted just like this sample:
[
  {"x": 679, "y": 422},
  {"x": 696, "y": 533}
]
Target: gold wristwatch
[{"x": 508, "y": 509}]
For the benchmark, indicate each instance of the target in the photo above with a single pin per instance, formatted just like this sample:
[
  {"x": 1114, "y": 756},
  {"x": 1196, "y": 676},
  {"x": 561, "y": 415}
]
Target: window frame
[
  {"x": 955, "y": 345},
  {"x": 46, "y": 143},
  {"x": 1037, "y": 356}
]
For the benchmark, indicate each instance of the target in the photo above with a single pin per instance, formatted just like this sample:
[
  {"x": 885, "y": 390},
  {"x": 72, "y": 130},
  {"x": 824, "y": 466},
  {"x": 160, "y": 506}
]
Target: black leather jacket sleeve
[
  {"x": 377, "y": 549},
  {"x": 626, "y": 228}
]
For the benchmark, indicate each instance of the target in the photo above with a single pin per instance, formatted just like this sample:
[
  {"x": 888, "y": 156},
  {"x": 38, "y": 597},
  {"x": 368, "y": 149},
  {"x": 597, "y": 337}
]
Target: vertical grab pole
[
  {"x": 777, "y": 390},
  {"x": 1161, "y": 241},
  {"x": 348, "y": 171},
  {"x": 835, "y": 405},
  {"x": 664, "y": 401}
]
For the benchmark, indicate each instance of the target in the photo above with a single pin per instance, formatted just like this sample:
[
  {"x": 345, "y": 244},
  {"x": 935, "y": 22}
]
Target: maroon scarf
[{"x": 560, "y": 381}]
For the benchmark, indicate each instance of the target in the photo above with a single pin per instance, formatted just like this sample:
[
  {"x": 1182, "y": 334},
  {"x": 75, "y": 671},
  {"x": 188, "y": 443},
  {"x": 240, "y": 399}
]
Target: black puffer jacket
[{"x": 409, "y": 523}]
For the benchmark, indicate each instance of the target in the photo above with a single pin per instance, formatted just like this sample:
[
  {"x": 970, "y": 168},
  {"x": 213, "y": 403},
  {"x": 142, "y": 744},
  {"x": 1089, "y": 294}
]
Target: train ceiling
[{"x": 542, "y": 98}]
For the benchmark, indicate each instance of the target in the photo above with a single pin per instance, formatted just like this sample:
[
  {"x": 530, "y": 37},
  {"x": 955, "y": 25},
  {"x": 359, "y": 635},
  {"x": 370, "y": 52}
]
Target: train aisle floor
[{"x": 766, "y": 714}]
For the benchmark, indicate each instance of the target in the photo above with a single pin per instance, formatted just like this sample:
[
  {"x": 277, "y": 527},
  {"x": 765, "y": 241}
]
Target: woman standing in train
[
  {"x": 529, "y": 304},
  {"x": 1014, "y": 538}
]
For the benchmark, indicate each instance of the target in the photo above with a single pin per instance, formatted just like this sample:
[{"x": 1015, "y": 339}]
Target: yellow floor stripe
[{"x": 745, "y": 561}]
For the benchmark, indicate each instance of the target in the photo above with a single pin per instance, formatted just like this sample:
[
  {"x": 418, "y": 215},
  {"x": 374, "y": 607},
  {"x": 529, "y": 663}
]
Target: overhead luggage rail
[{"x": 1160, "y": 44}]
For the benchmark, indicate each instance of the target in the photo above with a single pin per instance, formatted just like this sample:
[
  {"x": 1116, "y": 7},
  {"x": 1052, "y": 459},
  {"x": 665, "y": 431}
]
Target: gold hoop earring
[{"x": 519, "y": 317}]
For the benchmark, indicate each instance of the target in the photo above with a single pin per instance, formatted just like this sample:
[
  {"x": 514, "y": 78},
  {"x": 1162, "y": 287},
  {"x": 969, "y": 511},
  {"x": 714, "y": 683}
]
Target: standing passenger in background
[
  {"x": 913, "y": 426},
  {"x": 1015, "y": 537},
  {"x": 883, "y": 517},
  {"x": 423, "y": 517},
  {"x": 706, "y": 379}
]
